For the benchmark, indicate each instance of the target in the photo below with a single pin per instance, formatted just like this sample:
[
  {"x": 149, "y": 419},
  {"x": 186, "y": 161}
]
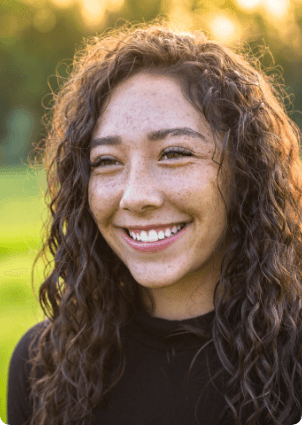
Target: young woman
[{"x": 174, "y": 296}]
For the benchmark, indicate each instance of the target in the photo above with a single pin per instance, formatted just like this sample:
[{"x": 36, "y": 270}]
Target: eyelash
[{"x": 177, "y": 150}]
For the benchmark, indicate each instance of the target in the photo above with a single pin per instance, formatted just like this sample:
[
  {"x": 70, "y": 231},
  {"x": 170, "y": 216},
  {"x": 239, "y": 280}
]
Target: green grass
[{"x": 22, "y": 211}]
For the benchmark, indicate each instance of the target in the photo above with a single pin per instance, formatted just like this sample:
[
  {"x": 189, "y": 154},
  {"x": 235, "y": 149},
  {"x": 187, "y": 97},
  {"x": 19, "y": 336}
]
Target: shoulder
[
  {"x": 18, "y": 410},
  {"x": 20, "y": 355},
  {"x": 20, "y": 352}
]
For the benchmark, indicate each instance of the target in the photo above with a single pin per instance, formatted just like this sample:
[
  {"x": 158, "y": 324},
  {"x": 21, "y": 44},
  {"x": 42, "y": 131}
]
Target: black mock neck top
[{"x": 153, "y": 389}]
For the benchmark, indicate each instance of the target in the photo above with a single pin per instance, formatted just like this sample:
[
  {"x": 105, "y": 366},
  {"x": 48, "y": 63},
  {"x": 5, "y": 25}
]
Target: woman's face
[{"x": 140, "y": 181}]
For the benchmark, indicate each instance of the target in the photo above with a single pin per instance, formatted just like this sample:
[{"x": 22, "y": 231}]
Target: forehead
[{"x": 147, "y": 102}]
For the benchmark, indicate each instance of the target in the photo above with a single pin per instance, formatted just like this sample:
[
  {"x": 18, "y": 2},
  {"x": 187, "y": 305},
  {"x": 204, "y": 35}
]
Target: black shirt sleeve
[{"x": 18, "y": 405}]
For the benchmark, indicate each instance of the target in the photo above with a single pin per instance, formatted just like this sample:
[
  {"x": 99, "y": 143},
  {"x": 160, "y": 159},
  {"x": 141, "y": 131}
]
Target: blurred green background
[{"x": 38, "y": 39}]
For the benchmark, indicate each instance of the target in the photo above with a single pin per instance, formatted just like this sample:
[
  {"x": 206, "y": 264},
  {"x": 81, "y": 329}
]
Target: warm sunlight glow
[
  {"x": 63, "y": 3},
  {"x": 44, "y": 20},
  {"x": 93, "y": 11},
  {"x": 114, "y": 5},
  {"x": 278, "y": 9},
  {"x": 34, "y": 3},
  {"x": 248, "y": 4},
  {"x": 179, "y": 13},
  {"x": 224, "y": 28}
]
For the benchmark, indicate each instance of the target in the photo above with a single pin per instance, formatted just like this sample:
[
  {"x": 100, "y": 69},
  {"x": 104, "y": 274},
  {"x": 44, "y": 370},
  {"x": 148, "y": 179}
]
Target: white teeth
[
  {"x": 133, "y": 235},
  {"x": 161, "y": 235},
  {"x": 153, "y": 236},
  {"x": 144, "y": 236}
]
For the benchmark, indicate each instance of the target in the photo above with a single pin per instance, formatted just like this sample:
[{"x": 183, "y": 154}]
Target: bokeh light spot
[
  {"x": 114, "y": 5},
  {"x": 63, "y": 3},
  {"x": 277, "y": 9},
  {"x": 249, "y": 5},
  {"x": 93, "y": 12},
  {"x": 179, "y": 14},
  {"x": 224, "y": 28},
  {"x": 44, "y": 20}
]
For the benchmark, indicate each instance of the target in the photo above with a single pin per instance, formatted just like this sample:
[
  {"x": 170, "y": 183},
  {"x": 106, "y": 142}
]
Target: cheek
[
  {"x": 100, "y": 203},
  {"x": 92, "y": 196},
  {"x": 95, "y": 200},
  {"x": 197, "y": 191}
]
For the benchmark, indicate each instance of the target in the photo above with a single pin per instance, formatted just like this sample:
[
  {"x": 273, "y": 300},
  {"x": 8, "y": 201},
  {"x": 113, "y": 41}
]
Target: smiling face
[{"x": 144, "y": 175}]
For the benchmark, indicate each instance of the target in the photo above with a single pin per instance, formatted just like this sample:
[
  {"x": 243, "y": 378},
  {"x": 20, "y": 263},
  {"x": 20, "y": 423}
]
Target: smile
[
  {"x": 153, "y": 235},
  {"x": 153, "y": 241}
]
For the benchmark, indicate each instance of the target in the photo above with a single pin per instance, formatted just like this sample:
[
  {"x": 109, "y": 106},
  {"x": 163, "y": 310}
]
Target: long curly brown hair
[{"x": 89, "y": 294}]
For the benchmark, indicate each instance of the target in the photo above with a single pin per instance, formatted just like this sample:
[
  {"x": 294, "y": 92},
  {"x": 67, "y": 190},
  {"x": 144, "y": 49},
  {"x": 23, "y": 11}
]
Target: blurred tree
[
  {"x": 33, "y": 39},
  {"x": 36, "y": 36}
]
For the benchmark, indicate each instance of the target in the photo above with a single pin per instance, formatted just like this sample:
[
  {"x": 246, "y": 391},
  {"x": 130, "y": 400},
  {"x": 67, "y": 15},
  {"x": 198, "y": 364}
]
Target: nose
[{"x": 141, "y": 191}]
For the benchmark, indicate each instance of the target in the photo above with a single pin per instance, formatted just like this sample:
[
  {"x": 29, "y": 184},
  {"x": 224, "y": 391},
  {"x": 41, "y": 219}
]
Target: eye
[
  {"x": 103, "y": 161},
  {"x": 176, "y": 151},
  {"x": 100, "y": 162}
]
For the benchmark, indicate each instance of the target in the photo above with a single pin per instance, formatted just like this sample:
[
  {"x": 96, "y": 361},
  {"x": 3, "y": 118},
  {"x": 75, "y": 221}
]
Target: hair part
[{"x": 89, "y": 294}]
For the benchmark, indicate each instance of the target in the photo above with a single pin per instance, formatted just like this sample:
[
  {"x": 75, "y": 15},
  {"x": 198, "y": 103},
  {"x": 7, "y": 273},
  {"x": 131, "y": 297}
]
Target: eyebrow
[{"x": 152, "y": 136}]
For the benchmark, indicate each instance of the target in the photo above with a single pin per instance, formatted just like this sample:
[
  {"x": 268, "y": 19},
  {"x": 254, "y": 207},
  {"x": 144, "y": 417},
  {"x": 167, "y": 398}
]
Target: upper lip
[{"x": 153, "y": 226}]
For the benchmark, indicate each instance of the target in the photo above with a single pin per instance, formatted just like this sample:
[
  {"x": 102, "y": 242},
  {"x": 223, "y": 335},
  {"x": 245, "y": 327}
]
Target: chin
[{"x": 156, "y": 282}]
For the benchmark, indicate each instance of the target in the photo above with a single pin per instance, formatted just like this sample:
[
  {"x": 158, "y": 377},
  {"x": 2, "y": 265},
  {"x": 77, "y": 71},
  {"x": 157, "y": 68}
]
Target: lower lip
[{"x": 153, "y": 246}]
